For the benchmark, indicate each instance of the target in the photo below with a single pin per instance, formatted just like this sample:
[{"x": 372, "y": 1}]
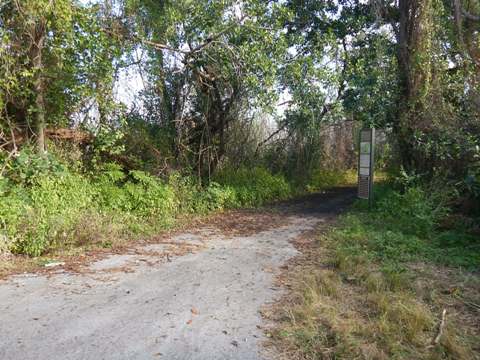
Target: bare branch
[
  {"x": 280, "y": 129},
  {"x": 470, "y": 16},
  {"x": 159, "y": 46},
  {"x": 458, "y": 20}
]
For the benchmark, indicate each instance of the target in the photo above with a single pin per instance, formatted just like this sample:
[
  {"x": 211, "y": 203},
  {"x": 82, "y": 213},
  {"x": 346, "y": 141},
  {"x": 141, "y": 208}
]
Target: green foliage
[
  {"x": 55, "y": 203},
  {"x": 415, "y": 211},
  {"x": 44, "y": 207},
  {"x": 149, "y": 197},
  {"x": 211, "y": 68},
  {"x": 194, "y": 199},
  {"x": 77, "y": 59},
  {"x": 12, "y": 207},
  {"x": 215, "y": 197},
  {"x": 255, "y": 186},
  {"x": 108, "y": 140},
  {"x": 324, "y": 178},
  {"x": 403, "y": 227},
  {"x": 28, "y": 166},
  {"x": 231, "y": 188},
  {"x": 147, "y": 144},
  {"x": 138, "y": 193},
  {"x": 47, "y": 205}
]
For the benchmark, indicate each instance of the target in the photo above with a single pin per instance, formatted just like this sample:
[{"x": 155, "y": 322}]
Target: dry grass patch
[{"x": 351, "y": 308}]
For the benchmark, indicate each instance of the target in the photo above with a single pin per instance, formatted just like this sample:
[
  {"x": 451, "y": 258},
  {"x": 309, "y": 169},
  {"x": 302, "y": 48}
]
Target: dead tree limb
[{"x": 441, "y": 327}]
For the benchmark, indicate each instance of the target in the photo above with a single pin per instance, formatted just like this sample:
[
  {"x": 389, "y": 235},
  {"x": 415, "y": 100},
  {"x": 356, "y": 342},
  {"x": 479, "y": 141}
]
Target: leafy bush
[
  {"x": 403, "y": 226},
  {"x": 46, "y": 205},
  {"x": 415, "y": 211},
  {"x": 138, "y": 193},
  {"x": 254, "y": 186},
  {"x": 215, "y": 197},
  {"x": 325, "y": 178},
  {"x": 148, "y": 196},
  {"x": 12, "y": 207},
  {"x": 28, "y": 166},
  {"x": 192, "y": 198},
  {"x": 54, "y": 204}
]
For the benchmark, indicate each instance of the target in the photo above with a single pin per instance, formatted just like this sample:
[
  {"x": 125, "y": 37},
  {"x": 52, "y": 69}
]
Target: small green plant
[
  {"x": 325, "y": 178},
  {"x": 255, "y": 186},
  {"x": 404, "y": 226}
]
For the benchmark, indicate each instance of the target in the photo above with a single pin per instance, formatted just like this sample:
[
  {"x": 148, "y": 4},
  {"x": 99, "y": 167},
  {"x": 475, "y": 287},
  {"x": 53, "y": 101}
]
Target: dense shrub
[
  {"x": 255, "y": 186},
  {"x": 324, "y": 178},
  {"x": 48, "y": 202},
  {"x": 148, "y": 196},
  {"x": 404, "y": 226},
  {"x": 53, "y": 204},
  {"x": 45, "y": 204},
  {"x": 416, "y": 211},
  {"x": 28, "y": 166},
  {"x": 12, "y": 207},
  {"x": 215, "y": 197}
]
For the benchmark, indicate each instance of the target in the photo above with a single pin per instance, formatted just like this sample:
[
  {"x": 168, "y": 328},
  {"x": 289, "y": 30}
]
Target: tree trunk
[
  {"x": 37, "y": 48},
  {"x": 414, "y": 38},
  {"x": 403, "y": 60}
]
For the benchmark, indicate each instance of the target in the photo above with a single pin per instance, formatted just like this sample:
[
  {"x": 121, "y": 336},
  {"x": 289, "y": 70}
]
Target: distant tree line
[{"x": 214, "y": 73}]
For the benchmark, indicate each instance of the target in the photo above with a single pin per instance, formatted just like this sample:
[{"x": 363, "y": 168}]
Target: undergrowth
[
  {"x": 321, "y": 179},
  {"x": 407, "y": 226},
  {"x": 374, "y": 287},
  {"x": 48, "y": 205}
]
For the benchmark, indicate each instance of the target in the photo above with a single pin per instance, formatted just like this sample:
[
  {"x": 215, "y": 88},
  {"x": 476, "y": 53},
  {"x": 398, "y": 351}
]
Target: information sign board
[{"x": 365, "y": 164}]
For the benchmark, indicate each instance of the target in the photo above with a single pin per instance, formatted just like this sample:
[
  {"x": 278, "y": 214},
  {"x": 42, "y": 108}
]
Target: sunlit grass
[{"x": 371, "y": 299}]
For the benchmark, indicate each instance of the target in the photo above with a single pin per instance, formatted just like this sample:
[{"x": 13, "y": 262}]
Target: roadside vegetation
[
  {"x": 54, "y": 206},
  {"x": 122, "y": 118},
  {"x": 47, "y": 205},
  {"x": 375, "y": 286}
]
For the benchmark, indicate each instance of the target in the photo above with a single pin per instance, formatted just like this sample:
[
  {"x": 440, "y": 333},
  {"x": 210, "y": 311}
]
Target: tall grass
[
  {"x": 369, "y": 300},
  {"x": 406, "y": 226}
]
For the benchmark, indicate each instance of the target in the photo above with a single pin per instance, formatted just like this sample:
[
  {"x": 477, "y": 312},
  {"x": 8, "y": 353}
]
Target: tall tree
[
  {"x": 211, "y": 63},
  {"x": 32, "y": 27}
]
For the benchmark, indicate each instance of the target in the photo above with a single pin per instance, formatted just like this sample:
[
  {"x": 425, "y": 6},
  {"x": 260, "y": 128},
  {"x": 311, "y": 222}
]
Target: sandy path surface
[{"x": 202, "y": 305}]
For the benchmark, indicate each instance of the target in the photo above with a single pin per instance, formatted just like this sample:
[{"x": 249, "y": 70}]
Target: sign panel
[
  {"x": 365, "y": 164},
  {"x": 363, "y": 186},
  {"x": 365, "y": 148},
  {"x": 364, "y": 171},
  {"x": 365, "y": 160}
]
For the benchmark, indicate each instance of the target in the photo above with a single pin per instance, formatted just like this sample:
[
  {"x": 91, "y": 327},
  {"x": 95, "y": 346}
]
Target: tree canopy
[{"x": 210, "y": 70}]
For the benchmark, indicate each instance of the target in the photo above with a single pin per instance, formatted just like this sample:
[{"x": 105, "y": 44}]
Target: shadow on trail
[{"x": 329, "y": 202}]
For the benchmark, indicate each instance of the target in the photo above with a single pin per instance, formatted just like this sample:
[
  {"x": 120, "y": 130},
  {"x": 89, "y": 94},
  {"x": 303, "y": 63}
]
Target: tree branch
[
  {"x": 159, "y": 46},
  {"x": 210, "y": 39},
  {"x": 470, "y": 16},
  {"x": 281, "y": 128}
]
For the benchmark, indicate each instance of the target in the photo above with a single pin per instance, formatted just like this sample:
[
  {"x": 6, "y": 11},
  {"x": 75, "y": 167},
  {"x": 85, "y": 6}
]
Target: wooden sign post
[{"x": 365, "y": 164}]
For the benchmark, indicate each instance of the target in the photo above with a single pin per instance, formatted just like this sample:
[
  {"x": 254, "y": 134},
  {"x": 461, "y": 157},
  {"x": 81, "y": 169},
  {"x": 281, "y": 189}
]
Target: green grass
[
  {"x": 385, "y": 275},
  {"x": 403, "y": 228}
]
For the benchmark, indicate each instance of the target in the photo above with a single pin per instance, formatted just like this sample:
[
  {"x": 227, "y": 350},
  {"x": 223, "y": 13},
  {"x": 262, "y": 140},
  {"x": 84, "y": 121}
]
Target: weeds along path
[{"x": 201, "y": 301}]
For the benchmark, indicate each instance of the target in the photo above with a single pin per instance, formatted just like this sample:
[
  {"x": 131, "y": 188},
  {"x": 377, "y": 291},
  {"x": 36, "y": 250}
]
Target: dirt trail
[{"x": 139, "y": 305}]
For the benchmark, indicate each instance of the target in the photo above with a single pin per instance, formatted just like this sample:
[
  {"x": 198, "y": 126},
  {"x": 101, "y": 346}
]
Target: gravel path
[{"x": 202, "y": 305}]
